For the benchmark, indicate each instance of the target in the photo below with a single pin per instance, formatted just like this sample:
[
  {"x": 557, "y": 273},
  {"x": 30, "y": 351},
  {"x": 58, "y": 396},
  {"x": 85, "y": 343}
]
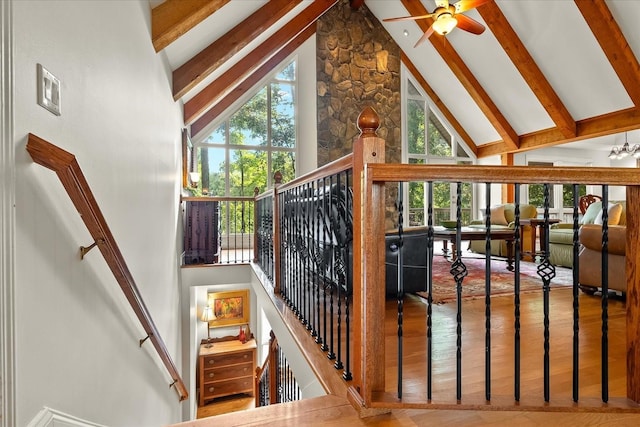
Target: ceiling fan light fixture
[{"x": 444, "y": 23}]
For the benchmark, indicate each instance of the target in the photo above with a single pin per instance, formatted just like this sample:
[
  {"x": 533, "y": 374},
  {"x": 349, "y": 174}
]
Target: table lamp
[{"x": 207, "y": 315}]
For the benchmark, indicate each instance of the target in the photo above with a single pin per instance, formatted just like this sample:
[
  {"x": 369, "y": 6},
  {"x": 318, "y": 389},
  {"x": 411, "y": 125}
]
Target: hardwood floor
[
  {"x": 334, "y": 410},
  {"x": 224, "y": 405}
]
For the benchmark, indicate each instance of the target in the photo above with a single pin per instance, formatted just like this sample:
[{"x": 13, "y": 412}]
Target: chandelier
[{"x": 625, "y": 150}]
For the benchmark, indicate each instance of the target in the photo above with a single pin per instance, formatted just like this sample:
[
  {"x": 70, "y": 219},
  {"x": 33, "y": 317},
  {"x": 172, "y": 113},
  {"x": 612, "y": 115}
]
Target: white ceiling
[{"x": 553, "y": 31}]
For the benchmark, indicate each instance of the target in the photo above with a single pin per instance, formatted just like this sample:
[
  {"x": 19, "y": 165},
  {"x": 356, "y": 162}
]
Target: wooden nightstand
[{"x": 226, "y": 368}]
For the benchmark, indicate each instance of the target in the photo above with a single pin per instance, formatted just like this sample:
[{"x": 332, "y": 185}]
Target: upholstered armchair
[{"x": 503, "y": 217}]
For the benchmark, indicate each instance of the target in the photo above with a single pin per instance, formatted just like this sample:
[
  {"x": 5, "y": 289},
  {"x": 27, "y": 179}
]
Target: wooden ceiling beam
[
  {"x": 614, "y": 45},
  {"x": 217, "y": 89},
  {"x": 255, "y": 77},
  {"x": 438, "y": 103},
  {"x": 217, "y": 53},
  {"x": 529, "y": 70},
  {"x": 466, "y": 78},
  {"x": 173, "y": 18},
  {"x": 606, "y": 124}
]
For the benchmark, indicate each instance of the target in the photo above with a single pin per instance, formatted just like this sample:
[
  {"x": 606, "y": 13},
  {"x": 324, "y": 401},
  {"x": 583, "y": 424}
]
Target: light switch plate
[{"x": 48, "y": 90}]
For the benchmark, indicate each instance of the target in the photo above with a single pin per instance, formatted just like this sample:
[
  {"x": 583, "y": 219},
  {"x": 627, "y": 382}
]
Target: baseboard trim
[{"x": 48, "y": 417}]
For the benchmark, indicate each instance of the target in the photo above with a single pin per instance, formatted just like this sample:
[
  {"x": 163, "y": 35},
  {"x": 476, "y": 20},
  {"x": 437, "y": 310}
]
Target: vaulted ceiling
[{"x": 544, "y": 73}]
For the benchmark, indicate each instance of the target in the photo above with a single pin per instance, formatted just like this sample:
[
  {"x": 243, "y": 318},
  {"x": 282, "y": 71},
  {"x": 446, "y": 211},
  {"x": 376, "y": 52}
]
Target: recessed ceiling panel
[
  {"x": 209, "y": 30},
  {"x": 627, "y": 15},
  {"x": 497, "y": 75},
  {"x": 560, "y": 41}
]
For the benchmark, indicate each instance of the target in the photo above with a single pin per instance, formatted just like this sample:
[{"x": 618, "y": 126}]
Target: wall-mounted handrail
[{"x": 64, "y": 164}]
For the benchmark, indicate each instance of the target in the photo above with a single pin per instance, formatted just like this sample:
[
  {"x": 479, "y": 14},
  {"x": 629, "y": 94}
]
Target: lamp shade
[
  {"x": 207, "y": 314},
  {"x": 444, "y": 24},
  {"x": 194, "y": 177}
]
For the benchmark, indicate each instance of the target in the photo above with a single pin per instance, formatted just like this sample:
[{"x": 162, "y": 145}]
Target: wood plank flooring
[{"x": 334, "y": 410}]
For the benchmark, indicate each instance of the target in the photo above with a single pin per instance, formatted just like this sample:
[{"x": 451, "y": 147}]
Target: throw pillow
[
  {"x": 613, "y": 211},
  {"x": 497, "y": 215},
  {"x": 592, "y": 212}
]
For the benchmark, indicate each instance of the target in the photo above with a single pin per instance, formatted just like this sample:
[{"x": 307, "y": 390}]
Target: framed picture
[{"x": 229, "y": 308}]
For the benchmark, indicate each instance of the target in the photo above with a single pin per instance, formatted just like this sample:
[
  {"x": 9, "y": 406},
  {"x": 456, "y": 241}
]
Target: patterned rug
[{"x": 502, "y": 280}]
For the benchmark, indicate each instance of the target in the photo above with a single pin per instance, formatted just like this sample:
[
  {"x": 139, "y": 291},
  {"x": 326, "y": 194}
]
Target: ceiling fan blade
[
  {"x": 464, "y": 5},
  {"x": 469, "y": 24},
  {"x": 425, "y": 36},
  {"x": 442, "y": 3},
  {"x": 408, "y": 18}
]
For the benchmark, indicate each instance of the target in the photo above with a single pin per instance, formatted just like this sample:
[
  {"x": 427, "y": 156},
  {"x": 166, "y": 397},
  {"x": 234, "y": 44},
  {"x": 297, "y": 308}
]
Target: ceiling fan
[{"x": 446, "y": 17}]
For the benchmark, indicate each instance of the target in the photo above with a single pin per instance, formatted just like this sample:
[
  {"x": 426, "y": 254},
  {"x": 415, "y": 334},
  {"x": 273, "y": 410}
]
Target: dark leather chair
[{"x": 414, "y": 259}]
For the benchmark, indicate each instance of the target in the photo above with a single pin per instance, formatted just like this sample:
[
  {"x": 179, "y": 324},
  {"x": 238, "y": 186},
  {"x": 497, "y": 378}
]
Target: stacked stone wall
[{"x": 358, "y": 65}]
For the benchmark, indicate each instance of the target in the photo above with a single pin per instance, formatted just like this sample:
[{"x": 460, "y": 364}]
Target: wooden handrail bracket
[{"x": 64, "y": 164}]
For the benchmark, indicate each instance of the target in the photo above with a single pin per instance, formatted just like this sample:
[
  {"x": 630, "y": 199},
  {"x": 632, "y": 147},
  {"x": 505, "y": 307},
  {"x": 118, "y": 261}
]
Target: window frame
[
  {"x": 455, "y": 141},
  {"x": 265, "y": 84}
]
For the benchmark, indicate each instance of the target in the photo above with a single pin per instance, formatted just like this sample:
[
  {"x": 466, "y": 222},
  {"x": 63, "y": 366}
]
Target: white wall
[
  {"x": 307, "y": 107},
  {"x": 77, "y": 339}
]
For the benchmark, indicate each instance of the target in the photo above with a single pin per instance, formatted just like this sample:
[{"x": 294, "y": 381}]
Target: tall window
[
  {"x": 428, "y": 141},
  {"x": 251, "y": 144}
]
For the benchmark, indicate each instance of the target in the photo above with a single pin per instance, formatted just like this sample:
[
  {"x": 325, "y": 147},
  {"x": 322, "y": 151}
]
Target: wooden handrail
[{"x": 64, "y": 164}]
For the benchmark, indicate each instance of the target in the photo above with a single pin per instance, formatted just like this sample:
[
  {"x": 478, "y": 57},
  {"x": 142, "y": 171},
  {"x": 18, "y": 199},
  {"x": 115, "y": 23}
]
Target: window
[
  {"x": 251, "y": 144},
  {"x": 428, "y": 140}
]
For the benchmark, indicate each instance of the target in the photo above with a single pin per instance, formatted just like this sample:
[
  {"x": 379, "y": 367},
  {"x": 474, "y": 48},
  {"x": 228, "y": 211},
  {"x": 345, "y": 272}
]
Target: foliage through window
[
  {"x": 245, "y": 150},
  {"x": 429, "y": 141}
]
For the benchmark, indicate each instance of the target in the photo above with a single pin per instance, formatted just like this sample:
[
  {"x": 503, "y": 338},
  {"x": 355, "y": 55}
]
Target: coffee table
[{"x": 467, "y": 233}]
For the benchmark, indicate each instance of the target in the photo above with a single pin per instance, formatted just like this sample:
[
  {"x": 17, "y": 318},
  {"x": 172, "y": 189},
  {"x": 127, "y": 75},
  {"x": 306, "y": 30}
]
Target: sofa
[
  {"x": 561, "y": 235},
  {"x": 503, "y": 217},
  {"x": 590, "y": 257}
]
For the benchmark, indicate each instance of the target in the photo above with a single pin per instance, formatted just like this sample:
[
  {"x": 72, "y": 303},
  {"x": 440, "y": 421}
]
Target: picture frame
[{"x": 229, "y": 308}]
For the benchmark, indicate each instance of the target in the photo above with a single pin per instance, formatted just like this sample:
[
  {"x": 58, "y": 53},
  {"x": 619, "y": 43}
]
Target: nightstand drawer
[
  {"x": 226, "y": 372},
  {"x": 223, "y": 388},
  {"x": 228, "y": 359},
  {"x": 228, "y": 367}
]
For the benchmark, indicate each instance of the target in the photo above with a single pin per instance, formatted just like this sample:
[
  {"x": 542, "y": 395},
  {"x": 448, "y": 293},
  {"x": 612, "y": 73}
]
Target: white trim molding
[
  {"x": 48, "y": 417},
  {"x": 7, "y": 220}
]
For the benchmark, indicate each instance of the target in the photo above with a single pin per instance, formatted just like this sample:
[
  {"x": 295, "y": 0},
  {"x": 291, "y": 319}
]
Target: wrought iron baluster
[
  {"x": 459, "y": 272},
  {"x": 487, "y": 297},
  {"x": 324, "y": 346},
  {"x": 332, "y": 277},
  {"x": 429, "y": 289},
  {"x": 605, "y": 294},
  {"x": 347, "y": 375},
  {"x": 400, "y": 284},
  {"x": 547, "y": 272},
  {"x": 576, "y": 304},
  {"x": 339, "y": 262},
  {"x": 516, "y": 302}
]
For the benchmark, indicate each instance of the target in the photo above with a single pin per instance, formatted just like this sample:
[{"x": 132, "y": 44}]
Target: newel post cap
[{"x": 368, "y": 122}]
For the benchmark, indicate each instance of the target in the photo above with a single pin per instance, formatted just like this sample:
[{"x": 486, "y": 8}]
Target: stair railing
[{"x": 64, "y": 164}]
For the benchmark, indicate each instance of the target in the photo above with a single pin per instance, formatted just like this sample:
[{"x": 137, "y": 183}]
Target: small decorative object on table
[{"x": 448, "y": 223}]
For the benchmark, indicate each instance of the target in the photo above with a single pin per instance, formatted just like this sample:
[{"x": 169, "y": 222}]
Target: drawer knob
[
  {"x": 211, "y": 361},
  {"x": 211, "y": 375},
  {"x": 246, "y": 356},
  {"x": 211, "y": 389}
]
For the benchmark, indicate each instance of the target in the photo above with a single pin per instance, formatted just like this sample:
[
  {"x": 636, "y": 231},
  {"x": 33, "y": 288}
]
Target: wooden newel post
[
  {"x": 632, "y": 253},
  {"x": 277, "y": 178},
  {"x": 368, "y": 265}
]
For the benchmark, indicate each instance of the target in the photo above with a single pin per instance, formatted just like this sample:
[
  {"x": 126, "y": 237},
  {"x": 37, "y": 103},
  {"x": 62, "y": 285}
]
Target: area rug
[{"x": 502, "y": 280}]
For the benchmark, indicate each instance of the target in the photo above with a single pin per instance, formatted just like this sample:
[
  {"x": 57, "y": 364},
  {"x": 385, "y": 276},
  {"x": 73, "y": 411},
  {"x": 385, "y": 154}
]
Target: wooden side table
[
  {"x": 536, "y": 224},
  {"x": 226, "y": 368}
]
